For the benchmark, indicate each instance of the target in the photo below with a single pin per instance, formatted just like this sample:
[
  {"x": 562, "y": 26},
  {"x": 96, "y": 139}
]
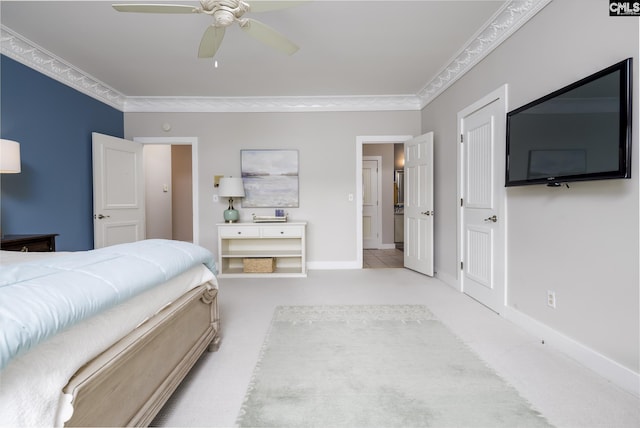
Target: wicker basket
[{"x": 259, "y": 265}]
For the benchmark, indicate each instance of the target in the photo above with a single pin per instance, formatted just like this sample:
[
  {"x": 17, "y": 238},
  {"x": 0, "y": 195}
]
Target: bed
[{"x": 103, "y": 337}]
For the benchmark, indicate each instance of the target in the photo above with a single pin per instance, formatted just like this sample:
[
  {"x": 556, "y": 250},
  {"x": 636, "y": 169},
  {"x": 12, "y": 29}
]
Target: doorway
[
  {"x": 168, "y": 192},
  {"x": 177, "y": 218},
  {"x": 373, "y": 142}
]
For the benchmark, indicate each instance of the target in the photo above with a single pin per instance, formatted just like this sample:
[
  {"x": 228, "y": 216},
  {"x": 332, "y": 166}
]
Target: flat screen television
[{"x": 577, "y": 133}]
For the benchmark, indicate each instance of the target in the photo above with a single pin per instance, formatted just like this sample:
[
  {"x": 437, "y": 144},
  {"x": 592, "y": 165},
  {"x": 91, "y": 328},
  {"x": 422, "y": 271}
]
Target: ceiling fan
[{"x": 225, "y": 13}]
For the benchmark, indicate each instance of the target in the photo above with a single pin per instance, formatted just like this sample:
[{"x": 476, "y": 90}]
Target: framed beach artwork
[{"x": 270, "y": 178}]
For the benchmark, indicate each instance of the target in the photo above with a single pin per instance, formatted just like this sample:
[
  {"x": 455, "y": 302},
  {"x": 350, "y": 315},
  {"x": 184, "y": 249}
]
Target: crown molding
[
  {"x": 505, "y": 22},
  {"x": 272, "y": 104},
  {"x": 28, "y": 53},
  {"x": 513, "y": 15}
]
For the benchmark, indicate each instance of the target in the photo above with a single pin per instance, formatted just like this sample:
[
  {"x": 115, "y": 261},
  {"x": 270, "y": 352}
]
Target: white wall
[
  {"x": 327, "y": 152},
  {"x": 580, "y": 242}
]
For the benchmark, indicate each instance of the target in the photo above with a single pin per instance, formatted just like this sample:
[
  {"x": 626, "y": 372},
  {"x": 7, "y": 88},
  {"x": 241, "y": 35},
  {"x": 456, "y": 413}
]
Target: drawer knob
[
  {"x": 282, "y": 232},
  {"x": 24, "y": 249},
  {"x": 239, "y": 233}
]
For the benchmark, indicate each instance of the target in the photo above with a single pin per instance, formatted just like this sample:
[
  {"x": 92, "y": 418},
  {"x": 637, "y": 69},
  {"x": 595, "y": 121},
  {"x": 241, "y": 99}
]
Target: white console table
[{"x": 285, "y": 242}]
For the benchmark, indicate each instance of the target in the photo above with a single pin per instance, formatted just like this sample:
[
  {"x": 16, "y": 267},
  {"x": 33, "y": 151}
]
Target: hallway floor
[{"x": 377, "y": 259}]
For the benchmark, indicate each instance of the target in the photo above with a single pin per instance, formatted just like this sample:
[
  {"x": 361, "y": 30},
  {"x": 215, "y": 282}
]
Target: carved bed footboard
[{"x": 128, "y": 384}]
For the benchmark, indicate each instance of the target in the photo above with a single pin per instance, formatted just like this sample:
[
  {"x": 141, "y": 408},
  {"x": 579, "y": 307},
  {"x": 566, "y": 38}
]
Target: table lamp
[
  {"x": 9, "y": 161},
  {"x": 9, "y": 156},
  {"x": 231, "y": 187}
]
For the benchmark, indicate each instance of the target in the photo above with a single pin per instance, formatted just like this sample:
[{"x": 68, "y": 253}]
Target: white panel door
[
  {"x": 371, "y": 233},
  {"x": 118, "y": 191},
  {"x": 482, "y": 142},
  {"x": 418, "y": 204}
]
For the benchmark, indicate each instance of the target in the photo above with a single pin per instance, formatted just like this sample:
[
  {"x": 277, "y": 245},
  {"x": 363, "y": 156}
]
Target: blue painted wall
[{"x": 53, "y": 123}]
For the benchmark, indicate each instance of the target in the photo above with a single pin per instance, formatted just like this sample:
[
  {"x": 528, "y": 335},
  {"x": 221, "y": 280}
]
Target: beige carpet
[{"x": 374, "y": 366}]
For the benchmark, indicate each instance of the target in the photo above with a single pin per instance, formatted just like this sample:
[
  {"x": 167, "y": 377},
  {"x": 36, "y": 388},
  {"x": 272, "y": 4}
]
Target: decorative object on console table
[
  {"x": 269, "y": 219},
  {"x": 26, "y": 243},
  {"x": 9, "y": 159},
  {"x": 232, "y": 188}
]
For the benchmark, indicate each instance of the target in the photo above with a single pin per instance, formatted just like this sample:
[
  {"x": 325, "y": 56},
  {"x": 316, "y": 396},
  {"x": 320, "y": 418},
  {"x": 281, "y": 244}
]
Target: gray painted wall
[
  {"x": 327, "y": 156},
  {"x": 580, "y": 242}
]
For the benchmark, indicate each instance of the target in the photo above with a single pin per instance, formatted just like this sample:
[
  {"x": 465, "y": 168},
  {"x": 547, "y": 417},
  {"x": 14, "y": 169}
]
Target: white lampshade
[
  {"x": 9, "y": 156},
  {"x": 231, "y": 187}
]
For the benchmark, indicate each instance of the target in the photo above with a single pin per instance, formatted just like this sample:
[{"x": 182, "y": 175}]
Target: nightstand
[{"x": 26, "y": 243}]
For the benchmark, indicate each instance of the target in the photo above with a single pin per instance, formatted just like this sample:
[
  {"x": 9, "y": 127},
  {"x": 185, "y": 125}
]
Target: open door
[
  {"x": 418, "y": 204},
  {"x": 118, "y": 191}
]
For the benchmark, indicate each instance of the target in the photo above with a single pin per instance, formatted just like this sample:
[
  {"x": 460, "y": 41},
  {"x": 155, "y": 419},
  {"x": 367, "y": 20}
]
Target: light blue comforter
[{"x": 41, "y": 298}]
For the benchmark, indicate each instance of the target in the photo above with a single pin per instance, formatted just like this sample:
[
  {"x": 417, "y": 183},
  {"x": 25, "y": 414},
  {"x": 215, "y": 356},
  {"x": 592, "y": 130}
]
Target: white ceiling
[{"x": 347, "y": 48}]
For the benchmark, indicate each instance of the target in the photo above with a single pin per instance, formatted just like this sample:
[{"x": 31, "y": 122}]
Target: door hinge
[
  {"x": 461, "y": 202},
  {"x": 461, "y": 138},
  {"x": 461, "y": 265}
]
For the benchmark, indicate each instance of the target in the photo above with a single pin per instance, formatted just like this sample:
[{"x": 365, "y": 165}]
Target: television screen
[{"x": 580, "y": 132}]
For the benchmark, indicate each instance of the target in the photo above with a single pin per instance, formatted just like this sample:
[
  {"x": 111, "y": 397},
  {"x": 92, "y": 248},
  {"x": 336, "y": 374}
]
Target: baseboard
[
  {"x": 387, "y": 247},
  {"x": 333, "y": 265},
  {"x": 604, "y": 366}
]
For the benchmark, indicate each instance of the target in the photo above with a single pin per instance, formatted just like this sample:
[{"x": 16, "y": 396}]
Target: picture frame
[{"x": 270, "y": 178}]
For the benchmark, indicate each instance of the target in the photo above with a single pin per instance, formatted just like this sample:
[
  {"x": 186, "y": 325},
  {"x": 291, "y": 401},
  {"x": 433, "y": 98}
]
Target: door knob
[
  {"x": 427, "y": 213},
  {"x": 100, "y": 216},
  {"x": 492, "y": 218}
]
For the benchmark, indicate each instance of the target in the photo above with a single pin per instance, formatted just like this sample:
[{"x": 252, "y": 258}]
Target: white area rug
[{"x": 375, "y": 366}]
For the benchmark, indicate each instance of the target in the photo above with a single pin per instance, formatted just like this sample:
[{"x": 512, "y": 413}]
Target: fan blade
[
  {"x": 268, "y": 36},
  {"x": 267, "y": 5},
  {"x": 155, "y": 8},
  {"x": 211, "y": 40}
]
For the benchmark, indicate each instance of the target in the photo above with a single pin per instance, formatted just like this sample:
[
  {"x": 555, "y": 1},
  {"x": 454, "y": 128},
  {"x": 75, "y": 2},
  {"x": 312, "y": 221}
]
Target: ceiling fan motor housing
[{"x": 223, "y": 18}]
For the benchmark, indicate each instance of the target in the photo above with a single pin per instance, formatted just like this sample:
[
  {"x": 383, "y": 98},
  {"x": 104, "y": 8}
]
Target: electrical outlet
[{"x": 551, "y": 299}]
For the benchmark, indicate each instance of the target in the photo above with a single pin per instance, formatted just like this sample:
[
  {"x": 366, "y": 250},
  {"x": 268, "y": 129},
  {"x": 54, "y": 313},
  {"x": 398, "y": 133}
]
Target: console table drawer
[
  {"x": 286, "y": 232},
  {"x": 239, "y": 232}
]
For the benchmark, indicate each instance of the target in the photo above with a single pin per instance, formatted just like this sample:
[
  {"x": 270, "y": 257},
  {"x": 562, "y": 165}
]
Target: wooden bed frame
[{"x": 128, "y": 384}]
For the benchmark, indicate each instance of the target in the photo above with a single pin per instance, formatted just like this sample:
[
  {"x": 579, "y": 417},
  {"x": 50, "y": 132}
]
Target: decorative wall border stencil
[
  {"x": 506, "y": 21},
  {"x": 270, "y": 178}
]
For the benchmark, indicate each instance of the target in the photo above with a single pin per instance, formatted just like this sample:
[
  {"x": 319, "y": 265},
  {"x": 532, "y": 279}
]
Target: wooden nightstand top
[{"x": 35, "y": 242}]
